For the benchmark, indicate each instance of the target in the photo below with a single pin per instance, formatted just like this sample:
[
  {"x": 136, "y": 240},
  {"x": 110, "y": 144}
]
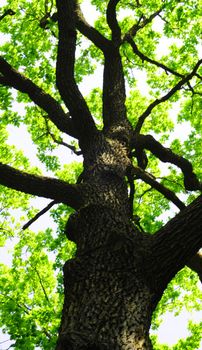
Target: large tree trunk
[
  {"x": 118, "y": 275},
  {"x": 108, "y": 299}
]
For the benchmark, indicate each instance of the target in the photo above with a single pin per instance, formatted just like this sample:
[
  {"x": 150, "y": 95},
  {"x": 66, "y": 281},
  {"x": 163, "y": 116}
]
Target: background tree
[{"x": 114, "y": 202}]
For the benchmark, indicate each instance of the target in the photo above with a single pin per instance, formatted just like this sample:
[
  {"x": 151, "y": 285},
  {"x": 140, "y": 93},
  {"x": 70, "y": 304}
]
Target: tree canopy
[{"x": 159, "y": 45}]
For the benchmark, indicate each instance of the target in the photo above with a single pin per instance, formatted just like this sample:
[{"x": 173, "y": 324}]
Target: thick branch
[
  {"x": 176, "y": 243},
  {"x": 90, "y": 32},
  {"x": 166, "y": 97},
  {"x": 13, "y": 78},
  {"x": 114, "y": 95},
  {"x": 166, "y": 155},
  {"x": 87, "y": 30},
  {"x": 112, "y": 22},
  {"x": 149, "y": 179},
  {"x": 57, "y": 190},
  {"x": 66, "y": 83},
  {"x": 114, "y": 111}
]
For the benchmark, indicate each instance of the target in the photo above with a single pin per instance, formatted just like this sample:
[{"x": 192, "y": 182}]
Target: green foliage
[{"x": 31, "y": 285}]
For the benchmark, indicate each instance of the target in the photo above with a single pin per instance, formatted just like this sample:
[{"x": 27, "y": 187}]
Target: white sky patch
[
  {"x": 89, "y": 14},
  {"x": 174, "y": 328}
]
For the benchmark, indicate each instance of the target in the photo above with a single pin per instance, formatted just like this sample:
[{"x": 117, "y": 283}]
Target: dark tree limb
[
  {"x": 46, "y": 187},
  {"x": 60, "y": 142},
  {"x": 130, "y": 177},
  {"x": 166, "y": 96},
  {"x": 143, "y": 21},
  {"x": 9, "y": 12},
  {"x": 150, "y": 179},
  {"x": 166, "y": 155},
  {"x": 12, "y": 78},
  {"x": 112, "y": 22},
  {"x": 90, "y": 32},
  {"x": 114, "y": 110},
  {"x": 114, "y": 95},
  {"x": 86, "y": 29},
  {"x": 145, "y": 58},
  {"x": 42, "y": 285},
  {"x": 39, "y": 214},
  {"x": 65, "y": 80},
  {"x": 169, "y": 251}
]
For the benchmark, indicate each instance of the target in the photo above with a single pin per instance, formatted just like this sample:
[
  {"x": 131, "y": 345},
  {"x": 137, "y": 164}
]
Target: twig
[
  {"x": 143, "y": 193},
  {"x": 42, "y": 286},
  {"x": 40, "y": 213},
  {"x": 136, "y": 27},
  {"x": 61, "y": 142}
]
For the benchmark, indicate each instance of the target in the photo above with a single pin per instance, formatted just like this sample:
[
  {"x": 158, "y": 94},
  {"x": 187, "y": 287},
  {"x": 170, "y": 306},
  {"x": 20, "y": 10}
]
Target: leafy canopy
[{"x": 31, "y": 283}]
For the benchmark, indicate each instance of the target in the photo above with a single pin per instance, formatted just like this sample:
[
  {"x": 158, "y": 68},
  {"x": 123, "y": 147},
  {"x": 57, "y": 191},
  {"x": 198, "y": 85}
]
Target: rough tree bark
[{"x": 118, "y": 275}]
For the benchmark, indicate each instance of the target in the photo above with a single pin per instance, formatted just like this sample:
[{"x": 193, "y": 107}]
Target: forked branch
[
  {"x": 164, "y": 98},
  {"x": 60, "y": 141},
  {"x": 166, "y": 155},
  {"x": 143, "y": 21}
]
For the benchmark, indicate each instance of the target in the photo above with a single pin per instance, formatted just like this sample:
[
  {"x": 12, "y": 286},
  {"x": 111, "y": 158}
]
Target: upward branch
[
  {"x": 90, "y": 32},
  {"x": 114, "y": 95},
  {"x": 12, "y": 78},
  {"x": 66, "y": 83},
  {"x": 112, "y": 21}
]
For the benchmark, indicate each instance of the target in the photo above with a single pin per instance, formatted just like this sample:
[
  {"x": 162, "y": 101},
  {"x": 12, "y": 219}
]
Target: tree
[{"x": 111, "y": 205}]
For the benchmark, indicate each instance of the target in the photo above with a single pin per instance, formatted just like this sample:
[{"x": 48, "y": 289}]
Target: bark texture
[
  {"x": 118, "y": 275},
  {"x": 108, "y": 300}
]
